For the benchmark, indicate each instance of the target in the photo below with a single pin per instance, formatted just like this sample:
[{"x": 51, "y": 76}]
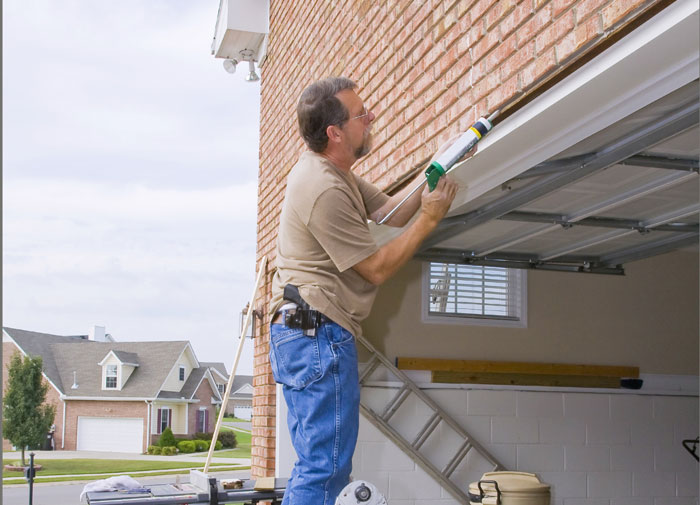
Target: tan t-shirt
[{"x": 323, "y": 232}]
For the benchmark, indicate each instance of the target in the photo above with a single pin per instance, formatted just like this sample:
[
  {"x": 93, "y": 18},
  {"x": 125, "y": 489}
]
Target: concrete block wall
[
  {"x": 428, "y": 69},
  {"x": 592, "y": 448}
]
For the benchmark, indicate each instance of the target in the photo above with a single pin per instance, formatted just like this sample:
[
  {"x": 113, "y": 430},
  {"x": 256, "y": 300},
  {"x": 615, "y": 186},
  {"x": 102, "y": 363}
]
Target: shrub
[
  {"x": 186, "y": 446},
  {"x": 228, "y": 439},
  {"x": 168, "y": 450},
  {"x": 152, "y": 449},
  {"x": 202, "y": 436},
  {"x": 156, "y": 449},
  {"x": 167, "y": 438},
  {"x": 218, "y": 445},
  {"x": 201, "y": 445}
]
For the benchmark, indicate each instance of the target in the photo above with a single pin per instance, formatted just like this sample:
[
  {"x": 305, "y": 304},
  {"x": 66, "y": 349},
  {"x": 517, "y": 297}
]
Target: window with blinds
[{"x": 475, "y": 292}]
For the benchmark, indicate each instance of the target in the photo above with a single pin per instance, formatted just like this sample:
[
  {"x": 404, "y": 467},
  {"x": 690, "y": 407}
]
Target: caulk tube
[{"x": 456, "y": 151}]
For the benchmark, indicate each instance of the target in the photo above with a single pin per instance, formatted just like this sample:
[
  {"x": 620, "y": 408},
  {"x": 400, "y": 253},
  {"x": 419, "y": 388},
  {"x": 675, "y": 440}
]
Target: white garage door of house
[
  {"x": 110, "y": 434},
  {"x": 243, "y": 412}
]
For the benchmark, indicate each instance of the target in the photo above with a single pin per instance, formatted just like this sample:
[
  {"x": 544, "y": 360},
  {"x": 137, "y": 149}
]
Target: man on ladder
[{"x": 328, "y": 270}]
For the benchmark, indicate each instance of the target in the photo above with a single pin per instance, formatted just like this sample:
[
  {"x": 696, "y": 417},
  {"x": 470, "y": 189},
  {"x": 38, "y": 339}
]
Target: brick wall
[
  {"x": 428, "y": 70},
  {"x": 77, "y": 408},
  {"x": 204, "y": 393},
  {"x": 9, "y": 349}
]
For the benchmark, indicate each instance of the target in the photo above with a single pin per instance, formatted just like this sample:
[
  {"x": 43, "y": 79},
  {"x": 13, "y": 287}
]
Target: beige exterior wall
[
  {"x": 173, "y": 382},
  {"x": 647, "y": 318}
]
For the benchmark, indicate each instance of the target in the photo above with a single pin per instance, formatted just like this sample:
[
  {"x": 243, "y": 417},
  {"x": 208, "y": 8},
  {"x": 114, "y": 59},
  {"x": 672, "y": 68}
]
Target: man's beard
[{"x": 365, "y": 147}]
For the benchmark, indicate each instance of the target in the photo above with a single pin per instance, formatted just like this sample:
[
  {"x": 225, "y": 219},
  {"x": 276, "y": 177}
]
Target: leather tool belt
[{"x": 299, "y": 314}]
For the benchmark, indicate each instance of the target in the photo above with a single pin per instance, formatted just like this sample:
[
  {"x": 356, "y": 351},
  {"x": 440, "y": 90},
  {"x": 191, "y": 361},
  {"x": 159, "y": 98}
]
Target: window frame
[
  {"x": 471, "y": 320},
  {"x": 109, "y": 376},
  {"x": 168, "y": 421},
  {"x": 181, "y": 373}
]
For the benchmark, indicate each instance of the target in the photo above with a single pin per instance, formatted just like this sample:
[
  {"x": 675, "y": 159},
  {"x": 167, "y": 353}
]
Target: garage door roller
[{"x": 509, "y": 488}]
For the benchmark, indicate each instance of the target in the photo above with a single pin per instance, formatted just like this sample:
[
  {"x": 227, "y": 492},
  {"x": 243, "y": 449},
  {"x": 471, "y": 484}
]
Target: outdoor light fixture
[
  {"x": 252, "y": 76},
  {"x": 243, "y": 55},
  {"x": 230, "y": 66}
]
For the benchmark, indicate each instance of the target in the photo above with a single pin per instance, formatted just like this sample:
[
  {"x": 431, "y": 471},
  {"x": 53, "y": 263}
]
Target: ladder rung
[
  {"x": 371, "y": 367},
  {"x": 426, "y": 431},
  {"x": 395, "y": 403},
  {"x": 458, "y": 457}
]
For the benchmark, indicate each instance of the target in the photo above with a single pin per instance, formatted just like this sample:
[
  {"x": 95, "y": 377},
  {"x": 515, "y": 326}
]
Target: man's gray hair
[{"x": 319, "y": 108}]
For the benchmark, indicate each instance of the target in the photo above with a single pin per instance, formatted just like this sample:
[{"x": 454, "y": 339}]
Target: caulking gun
[{"x": 445, "y": 162}]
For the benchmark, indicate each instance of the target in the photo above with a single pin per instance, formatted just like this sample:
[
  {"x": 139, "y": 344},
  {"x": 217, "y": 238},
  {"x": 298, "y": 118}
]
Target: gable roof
[
  {"x": 64, "y": 355},
  {"x": 217, "y": 366},
  {"x": 239, "y": 382},
  {"x": 128, "y": 358}
]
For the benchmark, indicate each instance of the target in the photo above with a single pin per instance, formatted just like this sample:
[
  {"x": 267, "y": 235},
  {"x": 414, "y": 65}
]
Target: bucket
[{"x": 509, "y": 488}]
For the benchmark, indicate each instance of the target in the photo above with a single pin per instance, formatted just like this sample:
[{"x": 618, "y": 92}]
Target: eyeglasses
[{"x": 364, "y": 114}]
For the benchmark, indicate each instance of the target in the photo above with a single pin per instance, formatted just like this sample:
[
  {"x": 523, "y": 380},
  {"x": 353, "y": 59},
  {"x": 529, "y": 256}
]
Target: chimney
[{"x": 97, "y": 334}]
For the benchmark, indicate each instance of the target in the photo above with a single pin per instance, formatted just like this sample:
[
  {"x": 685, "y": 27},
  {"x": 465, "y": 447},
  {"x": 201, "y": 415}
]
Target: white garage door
[
  {"x": 110, "y": 434},
  {"x": 243, "y": 412}
]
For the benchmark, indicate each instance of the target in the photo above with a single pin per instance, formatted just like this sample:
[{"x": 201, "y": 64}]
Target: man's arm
[{"x": 384, "y": 263}]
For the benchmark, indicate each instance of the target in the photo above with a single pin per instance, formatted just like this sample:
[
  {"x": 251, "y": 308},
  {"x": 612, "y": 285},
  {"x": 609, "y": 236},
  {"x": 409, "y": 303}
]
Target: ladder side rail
[
  {"x": 431, "y": 403},
  {"x": 421, "y": 460}
]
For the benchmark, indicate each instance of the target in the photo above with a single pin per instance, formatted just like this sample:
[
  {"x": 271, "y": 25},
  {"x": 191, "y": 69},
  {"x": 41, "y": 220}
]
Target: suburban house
[
  {"x": 240, "y": 403},
  {"x": 572, "y": 242},
  {"x": 118, "y": 396}
]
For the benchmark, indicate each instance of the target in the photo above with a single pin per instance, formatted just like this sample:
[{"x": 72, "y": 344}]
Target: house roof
[
  {"x": 64, "y": 355},
  {"x": 239, "y": 382},
  {"x": 39, "y": 344},
  {"x": 127, "y": 357},
  {"x": 219, "y": 367}
]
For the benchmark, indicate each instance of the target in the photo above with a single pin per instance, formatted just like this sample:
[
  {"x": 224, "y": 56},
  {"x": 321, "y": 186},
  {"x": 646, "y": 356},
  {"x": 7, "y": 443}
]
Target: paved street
[{"x": 68, "y": 493}]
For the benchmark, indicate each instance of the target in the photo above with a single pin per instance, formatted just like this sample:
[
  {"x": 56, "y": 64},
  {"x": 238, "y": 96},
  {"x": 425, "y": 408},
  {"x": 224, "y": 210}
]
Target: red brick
[
  {"x": 513, "y": 20},
  {"x": 542, "y": 64},
  {"x": 554, "y": 32},
  {"x": 533, "y": 26},
  {"x": 617, "y": 10}
]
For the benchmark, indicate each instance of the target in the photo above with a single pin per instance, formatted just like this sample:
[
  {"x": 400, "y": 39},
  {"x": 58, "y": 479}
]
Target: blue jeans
[{"x": 320, "y": 385}]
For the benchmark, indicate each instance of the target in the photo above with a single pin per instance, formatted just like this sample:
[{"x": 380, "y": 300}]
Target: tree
[{"x": 26, "y": 418}]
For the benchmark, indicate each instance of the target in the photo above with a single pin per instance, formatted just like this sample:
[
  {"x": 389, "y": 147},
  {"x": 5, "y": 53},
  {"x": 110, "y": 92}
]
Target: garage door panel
[{"x": 110, "y": 434}]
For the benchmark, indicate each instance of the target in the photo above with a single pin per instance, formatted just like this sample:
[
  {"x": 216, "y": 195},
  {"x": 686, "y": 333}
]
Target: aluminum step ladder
[{"x": 384, "y": 390}]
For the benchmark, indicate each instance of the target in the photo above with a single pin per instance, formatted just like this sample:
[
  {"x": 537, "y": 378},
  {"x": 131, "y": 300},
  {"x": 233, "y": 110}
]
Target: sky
[{"x": 130, "y": 162}]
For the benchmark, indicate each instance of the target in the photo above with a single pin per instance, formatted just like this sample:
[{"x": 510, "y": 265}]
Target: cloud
[{"x": 130, "y": 163}]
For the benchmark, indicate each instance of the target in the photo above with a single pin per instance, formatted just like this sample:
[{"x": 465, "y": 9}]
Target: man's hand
[
  {"x": 436, "y": 203},
  {"x": 390, "y": 257}
]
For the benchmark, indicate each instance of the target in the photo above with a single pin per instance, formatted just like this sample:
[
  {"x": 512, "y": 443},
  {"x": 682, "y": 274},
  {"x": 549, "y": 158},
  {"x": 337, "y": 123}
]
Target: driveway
[{"x": 241, "y": 425}]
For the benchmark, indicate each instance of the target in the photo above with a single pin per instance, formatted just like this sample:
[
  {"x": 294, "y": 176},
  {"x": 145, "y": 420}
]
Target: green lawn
[
  {"x": 242, "y": 449},
  {"x": 78, "y": 466},
  {"x": 235, "y": 420},
  {"x": 53, "y": 469}
]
